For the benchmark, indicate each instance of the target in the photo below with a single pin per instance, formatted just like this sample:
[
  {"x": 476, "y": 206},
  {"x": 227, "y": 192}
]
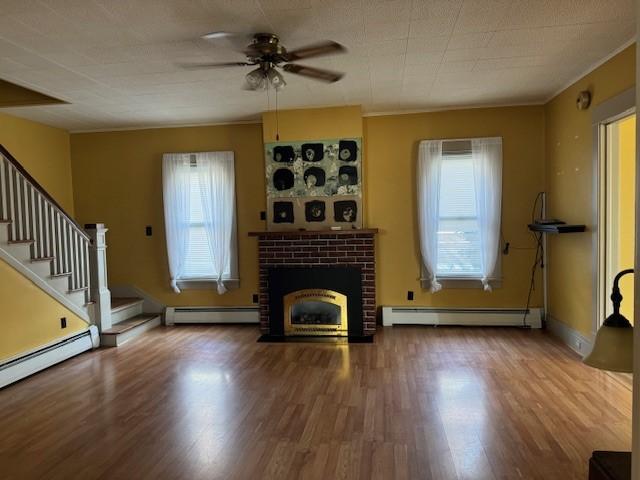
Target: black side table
[{"x": 610, "y": 466}]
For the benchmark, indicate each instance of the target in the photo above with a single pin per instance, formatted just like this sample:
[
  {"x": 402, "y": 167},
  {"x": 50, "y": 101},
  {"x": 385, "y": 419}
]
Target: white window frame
[{"x": 462, "y": 281}]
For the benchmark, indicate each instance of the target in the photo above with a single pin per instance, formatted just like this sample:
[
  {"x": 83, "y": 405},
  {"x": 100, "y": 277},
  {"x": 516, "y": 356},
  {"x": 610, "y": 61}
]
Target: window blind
[
  {"x": 198, "y": 262},
  {"x": 458, "y": 228}
]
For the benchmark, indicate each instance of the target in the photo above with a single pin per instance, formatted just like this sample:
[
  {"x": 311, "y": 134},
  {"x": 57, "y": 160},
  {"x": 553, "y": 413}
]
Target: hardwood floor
[{"x": 208, "y": 402}]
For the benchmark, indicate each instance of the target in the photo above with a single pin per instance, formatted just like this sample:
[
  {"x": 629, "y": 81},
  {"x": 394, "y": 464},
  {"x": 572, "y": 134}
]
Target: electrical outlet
[
  {"x": 409, "y": 295},
  {"x": 579, "y": 345},
  {"x": 63, "y": 322},
  {"x": 263, "y": 215},
  {"x": 148, "y": 231},
  {"x": 255, "y": 298}
]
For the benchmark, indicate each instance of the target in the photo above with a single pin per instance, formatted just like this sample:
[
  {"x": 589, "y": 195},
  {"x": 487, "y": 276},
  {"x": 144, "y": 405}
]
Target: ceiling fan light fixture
[
  {"x": 276, "y": 79},
  {"x": 256, "y": 79}
]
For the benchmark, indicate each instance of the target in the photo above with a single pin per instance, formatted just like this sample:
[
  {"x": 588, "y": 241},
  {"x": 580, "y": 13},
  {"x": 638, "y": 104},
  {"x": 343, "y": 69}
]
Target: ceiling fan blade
[
  {"x": 200, "y": 66},
  {"x": 315, "y": 50},
  {"x": 233, "y": 40},
  {"x": 315, "y": 73}
]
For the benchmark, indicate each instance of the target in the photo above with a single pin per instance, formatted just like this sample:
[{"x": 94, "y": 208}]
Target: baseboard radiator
[
  {"x": 18, "y": 368},
  {"x": 476, "y": 317},
  {"x": 175, "y": 315}
]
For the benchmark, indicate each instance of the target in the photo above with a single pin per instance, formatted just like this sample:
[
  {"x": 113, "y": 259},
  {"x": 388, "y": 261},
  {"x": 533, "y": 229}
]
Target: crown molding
[
  {"x": 157, "y": 127},
  {"x": 447, "y": 109}
]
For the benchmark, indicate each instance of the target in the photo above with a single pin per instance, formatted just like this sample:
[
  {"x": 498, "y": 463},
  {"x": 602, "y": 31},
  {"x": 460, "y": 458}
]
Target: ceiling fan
[{"x": 267, "y": 53}]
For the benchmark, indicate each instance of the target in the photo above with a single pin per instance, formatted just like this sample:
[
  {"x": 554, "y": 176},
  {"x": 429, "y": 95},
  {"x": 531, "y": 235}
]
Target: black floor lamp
[{"x": 612, "y": 350}]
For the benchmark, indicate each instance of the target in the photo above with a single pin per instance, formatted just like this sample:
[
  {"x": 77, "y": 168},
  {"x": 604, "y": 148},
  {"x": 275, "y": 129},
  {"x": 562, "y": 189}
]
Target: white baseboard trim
[
  {"x": 575, "y": 340},
  {"x": 150, "y": 305},
  {"x": 173, "y": 315},
  {"x": 19, "y": 368},
  {"x": 473, "y": 317}
]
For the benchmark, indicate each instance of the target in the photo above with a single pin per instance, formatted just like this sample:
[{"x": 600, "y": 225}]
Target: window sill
[
  {"x": 461, "y": 283},
  {"x": 206, "y": 284}
]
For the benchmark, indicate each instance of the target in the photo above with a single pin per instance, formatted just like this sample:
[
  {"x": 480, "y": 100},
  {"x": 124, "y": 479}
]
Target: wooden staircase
[{"x": 128, "y": 321}]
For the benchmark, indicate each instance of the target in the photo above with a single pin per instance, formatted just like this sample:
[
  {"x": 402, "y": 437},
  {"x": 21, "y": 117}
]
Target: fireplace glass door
[{"x": 315, "y": 312}]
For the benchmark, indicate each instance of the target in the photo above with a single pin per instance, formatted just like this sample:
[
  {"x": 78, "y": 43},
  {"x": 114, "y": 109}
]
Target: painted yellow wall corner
[
  {"x": 117, "y": 179},
  {"x": 569, "y": 182}
]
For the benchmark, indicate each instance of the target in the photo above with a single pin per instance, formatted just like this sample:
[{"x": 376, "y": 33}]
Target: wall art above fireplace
[{"x": 314, "y": 185}]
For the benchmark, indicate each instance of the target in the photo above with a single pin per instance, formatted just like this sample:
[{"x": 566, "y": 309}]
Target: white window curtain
[
  {"x": 217, "y": 186},
  {"x": 428, "y": 176},
  {"x": 486, "y": 162},
  {"x": 176, "y": 185},
  {"x": 487, "y": 174},
  {"x": 209, "y": 245}
]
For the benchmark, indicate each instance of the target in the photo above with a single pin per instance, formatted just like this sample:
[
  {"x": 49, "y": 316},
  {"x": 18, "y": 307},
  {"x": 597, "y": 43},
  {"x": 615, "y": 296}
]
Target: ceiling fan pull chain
[{"x": 277, "y": 125}]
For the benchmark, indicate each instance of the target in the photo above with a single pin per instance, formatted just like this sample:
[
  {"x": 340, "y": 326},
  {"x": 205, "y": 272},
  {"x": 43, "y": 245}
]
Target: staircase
[
  {"x": 128, "y": 321},
  {"x": 40, "y": 240}
]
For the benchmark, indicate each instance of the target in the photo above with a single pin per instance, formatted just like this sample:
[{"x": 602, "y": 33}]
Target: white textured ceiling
[{"x": 114, "y": 61}]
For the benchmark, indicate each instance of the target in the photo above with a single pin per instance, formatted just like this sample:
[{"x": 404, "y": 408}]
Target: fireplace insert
[
  {"x": 315, "y": 312},
  {"x": 315, "y": 301}
]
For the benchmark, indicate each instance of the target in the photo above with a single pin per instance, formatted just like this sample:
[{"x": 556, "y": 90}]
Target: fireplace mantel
[{"x": 295, "y": 233}]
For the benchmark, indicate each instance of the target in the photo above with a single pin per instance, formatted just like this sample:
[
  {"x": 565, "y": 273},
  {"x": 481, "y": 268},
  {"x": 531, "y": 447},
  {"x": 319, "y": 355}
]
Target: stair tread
[
  {"x": 62, "y": 274},
  {"x": 43, "y": 259},
  {"x": 11, "y": 242},
  {"x": 120, "y": 303},
  {"x": 130, "y": 323},
  {"x": 74, "y": 290}
]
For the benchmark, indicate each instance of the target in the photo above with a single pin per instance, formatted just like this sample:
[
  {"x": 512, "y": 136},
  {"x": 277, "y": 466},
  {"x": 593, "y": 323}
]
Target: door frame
[{"x": 612, "y": 110}]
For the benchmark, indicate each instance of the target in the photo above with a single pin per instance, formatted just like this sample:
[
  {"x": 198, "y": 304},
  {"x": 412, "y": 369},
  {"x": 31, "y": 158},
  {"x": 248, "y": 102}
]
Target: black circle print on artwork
[
  {"x": 282, "y": 212},
  {"x": 345, "y": 211},
  {"x": 348, "y": 150},
  {"x": 312, "y": 152},
  {"x": 314, "y": 177},
  {"x": 347, "y": 175},
  {"x": 283, "y": 179},
  {"x": 314, "y": 211},
  {"x": 283, "y": 153}
]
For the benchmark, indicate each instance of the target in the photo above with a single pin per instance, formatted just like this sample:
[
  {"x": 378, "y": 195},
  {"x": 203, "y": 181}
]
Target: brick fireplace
[{"x": 303, "y": 256}]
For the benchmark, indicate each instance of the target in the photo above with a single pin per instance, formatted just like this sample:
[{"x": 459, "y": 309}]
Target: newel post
[{"x": 100, "y": 294}]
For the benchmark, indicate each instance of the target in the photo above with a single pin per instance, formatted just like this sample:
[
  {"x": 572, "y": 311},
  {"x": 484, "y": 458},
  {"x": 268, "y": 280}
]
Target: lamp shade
[{"x": 612, "y": 349}]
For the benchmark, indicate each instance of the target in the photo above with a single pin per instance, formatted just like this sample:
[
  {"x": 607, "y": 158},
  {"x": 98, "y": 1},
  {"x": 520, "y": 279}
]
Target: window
[
  {"x": 199, "y": 204},
  {"x": 459, "y": 208}
]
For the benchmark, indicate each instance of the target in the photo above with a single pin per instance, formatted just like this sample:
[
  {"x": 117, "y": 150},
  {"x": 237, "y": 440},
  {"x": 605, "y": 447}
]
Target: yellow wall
[
  {"x": 313, "y": 123},
  {"x": 569, "y": 178},
  {"x": 627, "y": 211},
  {"x": 44, "y": 152},
  {"x": 118, "y": 181},
  {"x": 30, "y": 317},
  {"x": 392, "y": 143}
]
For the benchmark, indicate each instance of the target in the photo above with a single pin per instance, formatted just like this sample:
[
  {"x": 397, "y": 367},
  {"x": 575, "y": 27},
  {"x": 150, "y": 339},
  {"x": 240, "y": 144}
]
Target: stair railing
[{"x": 36, "y": 218}]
